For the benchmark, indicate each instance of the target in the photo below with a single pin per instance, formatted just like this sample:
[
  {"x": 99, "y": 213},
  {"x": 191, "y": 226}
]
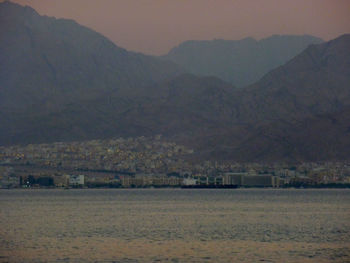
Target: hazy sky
[{"x": 155, "y": 26}]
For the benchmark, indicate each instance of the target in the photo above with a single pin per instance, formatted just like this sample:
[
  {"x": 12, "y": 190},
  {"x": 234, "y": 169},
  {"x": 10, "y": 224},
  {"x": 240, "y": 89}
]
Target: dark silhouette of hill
[
  {"x": 240, "y": 62},
  {"x": 323, "y": 137},
  {"x": 185, "y": 106}
]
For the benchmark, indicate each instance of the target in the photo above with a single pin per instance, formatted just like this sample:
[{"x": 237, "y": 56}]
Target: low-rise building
[
  {"x": 76, "y": 180},
  {"x": 233, "y": 178},
  {"x": 8, "y": 181},
  {"x": 189, "y": 181},
  {"x": 257, "y": 180},
  {"x": 61, "y": 180}
]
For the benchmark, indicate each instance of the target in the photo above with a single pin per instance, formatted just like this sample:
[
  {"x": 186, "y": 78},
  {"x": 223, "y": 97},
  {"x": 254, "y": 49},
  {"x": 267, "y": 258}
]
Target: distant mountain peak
[
  {"x": 240, "y": 62},
  {"x": 342, "y": 40},
  {"x": 11, "y": 7},
  {"x": 282, "y": 36}
]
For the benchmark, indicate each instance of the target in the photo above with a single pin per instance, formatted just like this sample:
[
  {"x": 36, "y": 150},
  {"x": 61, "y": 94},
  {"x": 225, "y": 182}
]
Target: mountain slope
[
  {"x": 296, "y": 112},
  {"x": 240, "y": 62},
  {"x": 319, "y": 138},
  {"x": 181, "y": 107},
  {"x": 51, "y": 62},
  {"x": 316, "y": 81},
  {"x": 62, "y": 81}
]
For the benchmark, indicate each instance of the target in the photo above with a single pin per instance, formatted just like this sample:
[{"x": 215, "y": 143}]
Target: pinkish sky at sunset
[{"x": 155, "y": 26}]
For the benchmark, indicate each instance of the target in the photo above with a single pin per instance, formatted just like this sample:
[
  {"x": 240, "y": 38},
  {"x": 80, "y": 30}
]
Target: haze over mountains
[
  {"x": 240, "y": 62},
  {"x": 60, "y": 81}
]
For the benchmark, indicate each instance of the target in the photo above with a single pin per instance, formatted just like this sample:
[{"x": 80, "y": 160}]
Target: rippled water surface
[{"x": 165, "y": 225}]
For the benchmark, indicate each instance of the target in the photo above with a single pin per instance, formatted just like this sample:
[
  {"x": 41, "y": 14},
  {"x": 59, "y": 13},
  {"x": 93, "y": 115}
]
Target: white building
[
  {"x": 76, "y": 180},
  {"x": 189, "y": 181}
]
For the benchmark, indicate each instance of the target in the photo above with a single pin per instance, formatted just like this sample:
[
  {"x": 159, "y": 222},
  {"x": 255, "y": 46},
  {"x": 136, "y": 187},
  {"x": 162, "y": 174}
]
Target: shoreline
[{"x": 177, "y": 188}]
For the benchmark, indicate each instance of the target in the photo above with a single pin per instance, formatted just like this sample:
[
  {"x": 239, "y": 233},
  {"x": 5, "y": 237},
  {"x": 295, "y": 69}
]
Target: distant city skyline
[{"x": 156, "y": 26}]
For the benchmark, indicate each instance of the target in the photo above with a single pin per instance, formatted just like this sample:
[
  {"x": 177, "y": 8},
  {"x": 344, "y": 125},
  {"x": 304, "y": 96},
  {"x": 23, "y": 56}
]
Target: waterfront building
[
  {"x": 76, "y": 180},
  {"x": 189, "y": 181},
  {"x": 8, "y": 181},
  {"x": 61, "y": 180},
  {"x": 277, "y": 181},
  {"x": 234, "y": 178},
  {"x": 257, "y": 181}
]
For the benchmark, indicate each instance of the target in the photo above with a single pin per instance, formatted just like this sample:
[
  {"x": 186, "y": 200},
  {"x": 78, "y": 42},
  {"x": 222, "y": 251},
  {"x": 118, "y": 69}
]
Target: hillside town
[{"x": 150, "y": 162}]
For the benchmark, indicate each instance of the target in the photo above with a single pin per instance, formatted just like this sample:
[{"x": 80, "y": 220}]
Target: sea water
[{"x": 175, "y": 225}]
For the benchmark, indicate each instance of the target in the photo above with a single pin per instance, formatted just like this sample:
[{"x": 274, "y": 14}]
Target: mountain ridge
[
  {"x": 240, "y": 62},
  {"x": 61, "y": 57}
]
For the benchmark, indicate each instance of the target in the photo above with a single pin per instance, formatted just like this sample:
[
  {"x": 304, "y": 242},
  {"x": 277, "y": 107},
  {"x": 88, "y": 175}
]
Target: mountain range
[
  {"x": 240, "y": 62},
  {"x": 60, "y": 81}
]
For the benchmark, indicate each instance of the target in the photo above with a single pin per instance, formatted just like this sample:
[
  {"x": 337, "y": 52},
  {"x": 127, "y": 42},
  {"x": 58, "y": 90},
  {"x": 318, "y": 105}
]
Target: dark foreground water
[{"x": 165, "y": 225}]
